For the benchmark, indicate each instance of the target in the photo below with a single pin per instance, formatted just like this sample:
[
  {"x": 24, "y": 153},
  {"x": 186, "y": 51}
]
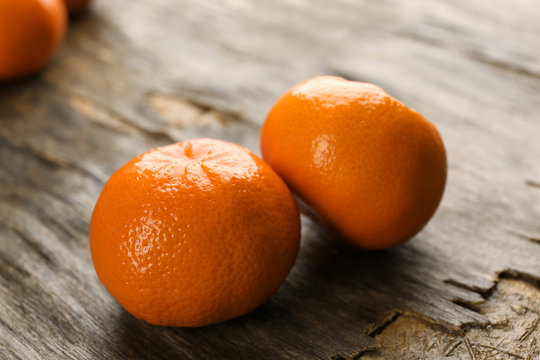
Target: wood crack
[
  {"x": 532, "y": 183},
  {"x": 476, "y": 289},
  {"x": 387, "y": 321},
  {"x": 487, "y": 292},
  {"x": 467, "y": 305},
  {"x": 533, "y": 239}
]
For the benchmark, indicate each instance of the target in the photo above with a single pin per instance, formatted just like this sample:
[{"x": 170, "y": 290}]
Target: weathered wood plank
[
  {"x": 513, "y": 309},
  {"x": 134, "y": 76}
]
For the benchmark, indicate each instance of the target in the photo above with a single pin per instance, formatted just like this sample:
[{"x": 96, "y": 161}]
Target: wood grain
[{"x": 132, "y": 76}]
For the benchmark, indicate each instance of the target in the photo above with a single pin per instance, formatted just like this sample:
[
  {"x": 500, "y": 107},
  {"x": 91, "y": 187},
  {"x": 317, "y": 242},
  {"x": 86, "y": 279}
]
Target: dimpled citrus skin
[
  {"x": 30, "y": 32},
  {"x": 194, "y": 233},
  {"x": 373, "y": 169},
  {"x": 76, "y": 6}
]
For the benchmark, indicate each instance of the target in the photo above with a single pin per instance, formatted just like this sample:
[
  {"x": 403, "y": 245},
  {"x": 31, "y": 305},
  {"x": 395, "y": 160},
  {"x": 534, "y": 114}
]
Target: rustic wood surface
[{"x": 133, "y": 75}]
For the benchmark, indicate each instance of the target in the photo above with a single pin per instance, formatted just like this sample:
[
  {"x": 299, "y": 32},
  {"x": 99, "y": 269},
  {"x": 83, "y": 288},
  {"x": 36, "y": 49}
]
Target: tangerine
[
  {"x": 372, "y": 169},
  {"x": 30, "y": 32},
  {"x": 194, "y": 233}
]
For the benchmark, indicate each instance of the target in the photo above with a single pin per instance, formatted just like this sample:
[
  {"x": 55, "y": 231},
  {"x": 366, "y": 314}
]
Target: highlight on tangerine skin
[
  {"x": 372, "y": 169},
  {"x": 194, "y": 233},
  {"x": 30, "y": 33}
]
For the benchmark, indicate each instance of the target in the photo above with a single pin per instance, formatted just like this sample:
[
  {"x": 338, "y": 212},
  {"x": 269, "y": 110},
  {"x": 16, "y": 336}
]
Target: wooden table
[{"x": 133, "y": 75}]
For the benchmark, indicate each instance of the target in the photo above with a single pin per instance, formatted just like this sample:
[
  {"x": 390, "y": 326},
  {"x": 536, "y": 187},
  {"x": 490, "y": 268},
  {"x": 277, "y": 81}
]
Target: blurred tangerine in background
[{"x": 30, "y": 32}]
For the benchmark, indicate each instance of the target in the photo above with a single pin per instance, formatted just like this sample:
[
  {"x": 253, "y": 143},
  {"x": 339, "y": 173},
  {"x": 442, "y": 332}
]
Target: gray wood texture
[{"x": 133, "y": 75}]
